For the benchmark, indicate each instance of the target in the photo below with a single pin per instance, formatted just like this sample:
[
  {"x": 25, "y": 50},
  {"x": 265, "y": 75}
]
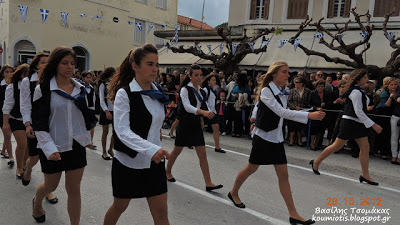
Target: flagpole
[{"x": 202, "y": 17}]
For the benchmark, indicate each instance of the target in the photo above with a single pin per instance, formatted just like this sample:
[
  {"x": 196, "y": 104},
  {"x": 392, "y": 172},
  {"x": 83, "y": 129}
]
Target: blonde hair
[
  {"x": 388, "y": 81},
  {"x": 269, "y": 76}
]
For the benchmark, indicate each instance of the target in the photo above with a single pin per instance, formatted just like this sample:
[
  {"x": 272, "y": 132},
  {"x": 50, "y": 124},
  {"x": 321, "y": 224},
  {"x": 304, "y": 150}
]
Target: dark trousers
[
  {"x": 229, "y": 117},
  {"x": 238, "y": 122},
  {"x": 222, "y": 123}
]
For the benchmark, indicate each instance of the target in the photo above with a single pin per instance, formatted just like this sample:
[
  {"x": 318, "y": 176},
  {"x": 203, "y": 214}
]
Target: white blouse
[
  {"x": 25, "y": 98},
  {"x": 9, "y": 100},
  {"x": 186, "y": 102},
  {"x": 88, "y": 90},
  {"x": 66, "y": 122},
  {"x": 103, "y": 105},
  {"x": 145, "y": 148},
  {"x": 211, "y": 100},
  {"x": 356, "y": 99}
]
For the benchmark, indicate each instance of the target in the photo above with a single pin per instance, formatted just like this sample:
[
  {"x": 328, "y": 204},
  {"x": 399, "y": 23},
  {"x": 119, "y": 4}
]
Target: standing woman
[
  {"x": 354, "y": 124},
  {"x": 189, "y": 131},
  {"x": 87, "y": 79},
  {"x": 5, "y": 77},
  {"x": 209, "y": 85},
  {"x": 268, "y": 140},
  {"x": 13, "y": 118},
  {"x": 138, "y": 168},
  {"x": 106, "y": 114},
  {"x": 28, "y": 85},
  {"x": 60, "y": 129}
]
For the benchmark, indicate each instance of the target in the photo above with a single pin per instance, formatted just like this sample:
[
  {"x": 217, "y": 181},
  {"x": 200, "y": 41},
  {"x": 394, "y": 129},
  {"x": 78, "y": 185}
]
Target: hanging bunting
[
  {"x": 318, "y": 35},
  {"x": 198, "y": 48},
  {"x": 115, "y": 20},
  {"x": 390, "y": 35},
  {"x": 264, "y": 43},
  {"x": 83, "y": 15},
  {"x": 364, "y": 34},
  {"x": 139, "y": 26},
  {"x": 176, "y": 36},
  {"x": 209, "y": 49},
  {"x": 150, "y": 27},
  {"x": 283, "y": 42},
  {"x": 234, "y": 47},
  {"x": 251, "y": 44},
  {"x": 221, "y": 48},
  {"x": 296, "y": 43},
  {"x": 24, "y": 11},
  {"x": 45, "y": 14},
  {"x": 130, "y": 23},
  {"x": 339, "y": 37},
  {"x": 64, "y": 17},
  {"x": 97, "y": 17},
  {"x": 164, "y": 25}
]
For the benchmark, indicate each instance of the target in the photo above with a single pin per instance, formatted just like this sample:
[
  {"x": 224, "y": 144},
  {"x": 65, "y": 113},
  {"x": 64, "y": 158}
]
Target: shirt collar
[
  {"x": 34, "y": 77},
  {"x": 54, "y": 86},
  {"x": 3, "y": 82},
  {"x": 274, "y": 88},
  {"x": 135, "y": 87},
  {"x": 190, "y": 84}
]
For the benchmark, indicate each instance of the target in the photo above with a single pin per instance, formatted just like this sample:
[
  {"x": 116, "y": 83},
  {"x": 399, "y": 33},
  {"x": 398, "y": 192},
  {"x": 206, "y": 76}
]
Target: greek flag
[
  {"x": 24, "y": 11},
  {"x": 130, "y": 23},
  {"x": 164, "y": 25},
  {"x": 364, "y": 34},
  {"x": 139, "y": 26},
  {"x": 296, "y": 43},
  {"x": 221, "y": 48},
  {"x": 45, "y": 14},
  {"x": 150, "y": 27},
  {"x": 339, "y": 37},
  {"x": 283, "y": 42},
  {"x": 234, "y": 47},
  {"x": 251, "y": 44},
  {"x": 390, "y": 35},
  {"x": 318, "y": 35},
  {"x": 264, "y": 43},
  {"x": 198, "y": 48},
  {"x": 83, "y": 15},
  {"x": 176, "y": 36},
  {"x": 96, "y": 17},
  {"x": 64, "y": 16},
  {"x": 209, "y": 48}
]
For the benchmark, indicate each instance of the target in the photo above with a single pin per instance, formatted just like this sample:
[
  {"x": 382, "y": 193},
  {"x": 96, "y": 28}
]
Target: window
[
  {"x": 339, "y": 8},
  {"x": 158, "y": 42},
  {"x": 383, "y": 7},
  {"x": 259, "y": 9},
  {"x": 139, "y": 36},
  {"x": 162, "y": 4},
  {"x": 142, "y": 1},
  {"x": 82, "y": 58},
  {"x": 297, "y": 9}
]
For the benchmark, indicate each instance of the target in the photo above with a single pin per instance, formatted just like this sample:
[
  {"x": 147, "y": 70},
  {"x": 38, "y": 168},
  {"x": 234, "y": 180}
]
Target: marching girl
[
  {"x": 60, "y": 125},
  {"x": 28, "y": 85},
  {"x": 106, "y": 114},
  {"x": 354, "y": 124},
  {"x": 138, "y": 168},
  {"x": 87, "y": 79},
  {"x": 208, "y": 85},
  {"x": 5, "y": 75},
  {"x": 12, "y": 118},
  {"x": 189, "y": 131},
  {"x": 268, "y": 145}
]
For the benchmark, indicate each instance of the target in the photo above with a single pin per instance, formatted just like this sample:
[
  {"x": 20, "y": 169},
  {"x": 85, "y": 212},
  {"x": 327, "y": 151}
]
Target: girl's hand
[
  {"x": 109, "y": 115},
  {"x": 55, "y": 156},
  {"x": 160, "y": 155},
  {"x": 208, "y": 114},
  {"x": 318, "y": 115}
]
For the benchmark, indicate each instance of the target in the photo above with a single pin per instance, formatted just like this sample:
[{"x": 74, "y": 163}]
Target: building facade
[{"x": 98, "y": 30}]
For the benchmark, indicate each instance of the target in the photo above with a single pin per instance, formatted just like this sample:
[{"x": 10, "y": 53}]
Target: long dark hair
[
  {"x": 55, "y": 57},
  {"x": 125, "y": 73},
  {"x": 187, "y": 78},
  {"x": 241, "y": 80},
  {"x": 355, "y": 76},
  {"x": 106, "y": 75},
  {"x": 205, "y": 81},
  {"x": 21, "y": 70},
  {"x": 35, "y": 62},
  {"x": 3, "y": 69}
]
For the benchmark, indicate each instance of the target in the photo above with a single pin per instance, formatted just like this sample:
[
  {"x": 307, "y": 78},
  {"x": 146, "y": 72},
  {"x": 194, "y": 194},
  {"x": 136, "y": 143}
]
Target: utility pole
[{"x": 202, "y": 16}]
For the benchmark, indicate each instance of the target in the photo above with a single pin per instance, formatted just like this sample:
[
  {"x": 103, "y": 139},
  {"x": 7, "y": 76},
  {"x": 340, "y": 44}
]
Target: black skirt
[
  {"x": 103, "y": 118},
  {"x": 70, "y": 160},
  {"x": 32, "y": 147},
  {"x": 267, "y": 153},
  {"x": 351, "y": 129},
  {"x": 138, "y": 183},
  {"x": 189, "y": 132},
  {"x": 16, "y": 124}
]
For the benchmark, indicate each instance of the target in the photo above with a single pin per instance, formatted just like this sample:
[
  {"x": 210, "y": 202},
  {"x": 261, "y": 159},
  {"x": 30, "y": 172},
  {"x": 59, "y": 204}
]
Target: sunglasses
[{"x": 297, "y": 82}]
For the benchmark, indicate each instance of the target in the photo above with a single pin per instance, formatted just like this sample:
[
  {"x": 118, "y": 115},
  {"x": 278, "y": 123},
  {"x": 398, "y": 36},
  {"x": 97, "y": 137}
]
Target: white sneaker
[{"x": 223, "y": 133}]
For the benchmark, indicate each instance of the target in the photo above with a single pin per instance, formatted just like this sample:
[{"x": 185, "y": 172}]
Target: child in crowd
[{"x": 220, "y": 107}]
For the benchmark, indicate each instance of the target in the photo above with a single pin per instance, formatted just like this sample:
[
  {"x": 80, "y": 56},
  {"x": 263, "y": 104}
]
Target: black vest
[
  {"x": 193, "y": 101},
  {"x": 349, "y": 107},
  {"x": 2, "y": 95},
  {"x": 16, "y": 110},
  {"x": 105, "y": 93},
  {"x": 139, "y": 121},
  {"x": 266, "y": 119},
  {"x": 90, "y": 97}
]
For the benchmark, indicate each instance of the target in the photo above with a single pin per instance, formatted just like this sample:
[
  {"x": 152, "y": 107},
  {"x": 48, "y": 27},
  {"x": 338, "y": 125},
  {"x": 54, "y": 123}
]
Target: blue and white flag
[
  {"x": 139, "y": 26},
  {"x": 164, "y": 25},
  {"x": 251, "y": 44},
  {"x": 24, "y": 11},
  {"x": 364, "y": 34},
  {"x": 150, "y": 27},
  {"x": 96, "y": 17},
  {"x": 83, "y": 15},
  {"x": 45, "y": 14},
  {"x": 234, "y": 47},
  {"x": 221, "y": 48},
  {"x": 64, "y": 17},
  {"x": 198, "y": 48},
  {"x": 209, "y": 49},
  {"x": 176, "y": 31},
  {"x": 339, "y": 37},
  {"x": 390, "y": 35},
  {"x": 283, "y": 42},
  {"x": 318, "y": 35},
  {"x": 130, "y": 23},
  {"x": 296, "y": 43},
  {"x": 264, "y": 43},
  {"x": 176, "y": 38}
]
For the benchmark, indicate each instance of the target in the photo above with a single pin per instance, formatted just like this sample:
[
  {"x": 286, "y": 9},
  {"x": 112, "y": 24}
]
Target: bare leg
[
  {"x": 50, "y": 184},
  {"x": 174, "y": 154},
  {"x": 363, "y": 144},
  {"x": 159, "y": 209},
  {"x": 215, "y": 128},
  {"x": 242, "y": 176},
  {"x": 7, "y": 144},
  {"x": 312, "y": 142},
  {"x": 173, "y": 127},
  {"x": 91, "y": 135},
  {"x": 336, "y": 146},
  {"x": 299, "y": 142},
  {"x": 115, "y": 211},
  {"x": 21, "y": 149},
  {"x": 291, "y": 138},
  {"x": 110, "y": 150},
  {"x": 201, "y": 153},
  {"x": 30, "y": 163},
  {"x": 104, "y": 139},
  {"x": 73, "y": 186}
]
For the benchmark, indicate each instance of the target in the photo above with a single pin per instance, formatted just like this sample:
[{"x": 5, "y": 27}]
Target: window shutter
[
  {"x": 331, "y": 6},
  {"x": 297, "y": 9},
  {"x": 347, "y": 6},
  {"x": 379, "y": 8},
  {"x": 266, "y": 9},
  {"x": 382, "y": 7},
  {"x": 253, "y": 7}
]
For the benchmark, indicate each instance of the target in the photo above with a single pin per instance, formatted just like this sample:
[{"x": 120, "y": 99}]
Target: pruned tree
[
  {"x": 352, "y": 50},
  {"x": 228, "y": 61}
]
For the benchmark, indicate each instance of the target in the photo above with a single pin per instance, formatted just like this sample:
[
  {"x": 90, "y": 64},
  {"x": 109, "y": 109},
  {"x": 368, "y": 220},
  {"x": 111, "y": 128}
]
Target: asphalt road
[{"x": 336, "y": 194}]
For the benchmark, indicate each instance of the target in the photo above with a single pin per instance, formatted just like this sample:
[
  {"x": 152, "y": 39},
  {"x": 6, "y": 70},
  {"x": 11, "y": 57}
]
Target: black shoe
[
  {"x": 106, "y": 158},
  {"x": 25, "y": 182},
  {"x": 362, "y": 179},
  {"x": 312, "y": 167},
  {"x": 11, "y": 163},
  {"x": 171, "y": 136},
  {"x": 214, "y": 188},
  {"x": 241, "y": 205},
  {"x": 190, "y": 147},
  {"x": 290, "y": 144},
  {"x": 39, "y": 219},
  {"x": 111, "y": 153},
  {"x": 20, "y": 175},
  {"x": 295, "y": 221},
  {"x": 53, "y": 200},
  {"x": 220, "y": 150},
  {"x": 171, "y": 180}
]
